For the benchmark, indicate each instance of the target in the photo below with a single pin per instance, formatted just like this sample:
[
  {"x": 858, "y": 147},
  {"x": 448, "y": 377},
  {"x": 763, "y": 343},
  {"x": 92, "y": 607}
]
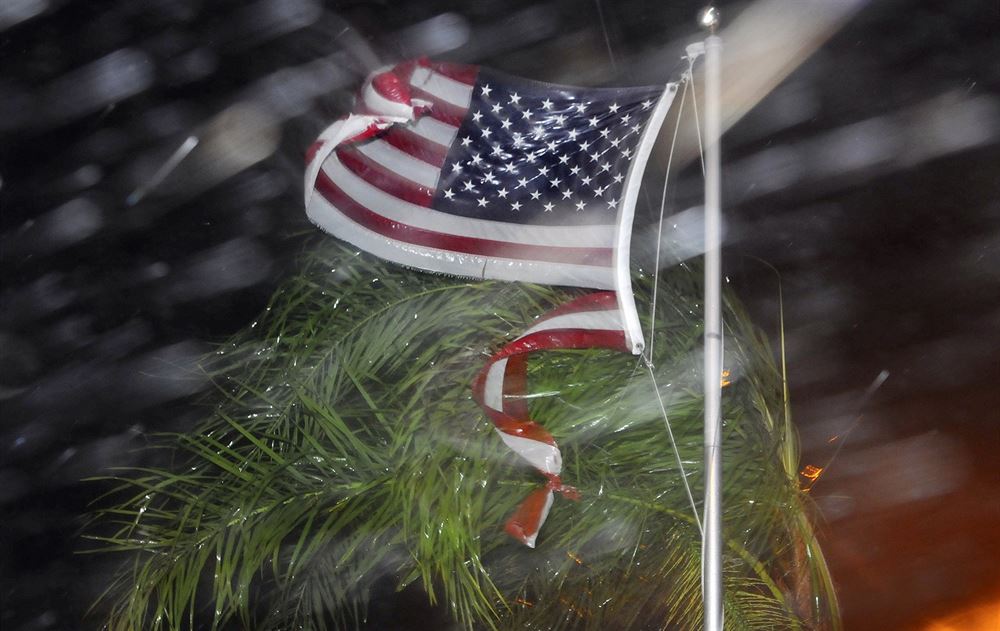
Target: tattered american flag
[{"x": 466, "y": 171}]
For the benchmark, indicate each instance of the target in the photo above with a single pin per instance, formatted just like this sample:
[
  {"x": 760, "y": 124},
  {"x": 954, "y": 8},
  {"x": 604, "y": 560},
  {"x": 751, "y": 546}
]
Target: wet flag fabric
[
  {"x": 463, "y": 170},
  {"x": 466, "y": 171}
]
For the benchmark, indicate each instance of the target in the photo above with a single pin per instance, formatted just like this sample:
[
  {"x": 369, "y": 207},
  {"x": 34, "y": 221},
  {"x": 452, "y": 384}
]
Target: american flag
[
  {"x": 497, "y": 177},
  {"x": 466, "y": 171}
]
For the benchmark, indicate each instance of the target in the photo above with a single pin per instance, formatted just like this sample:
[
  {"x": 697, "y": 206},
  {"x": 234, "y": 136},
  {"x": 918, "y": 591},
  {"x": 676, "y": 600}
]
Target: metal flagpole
[{"x": 712, "y": 520}]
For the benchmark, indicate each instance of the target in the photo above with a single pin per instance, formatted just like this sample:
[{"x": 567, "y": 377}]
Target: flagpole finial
[{"x": 708, "y": 18}]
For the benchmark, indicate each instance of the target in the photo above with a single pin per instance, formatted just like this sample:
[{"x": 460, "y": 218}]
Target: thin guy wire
[
  {"x": 673, "y": 443},
  {"x": 659, "y": 232}
]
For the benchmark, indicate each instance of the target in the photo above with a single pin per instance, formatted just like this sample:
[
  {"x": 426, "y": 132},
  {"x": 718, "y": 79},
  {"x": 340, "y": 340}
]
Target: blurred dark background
[{"x": 868, "y": 176}]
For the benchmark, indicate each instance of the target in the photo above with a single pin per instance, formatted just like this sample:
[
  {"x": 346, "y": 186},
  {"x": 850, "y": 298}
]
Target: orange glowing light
[
  {"x": 982, "y": 617},
  {"x": 575, "y": 557},
  {"x": 523, "y": 602},
  {"x": 811, "y": 472},
  {"x": 725, "y": 378}
]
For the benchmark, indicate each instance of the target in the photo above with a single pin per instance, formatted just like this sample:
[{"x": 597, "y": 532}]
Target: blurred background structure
[{"x": 150, "y": 189}]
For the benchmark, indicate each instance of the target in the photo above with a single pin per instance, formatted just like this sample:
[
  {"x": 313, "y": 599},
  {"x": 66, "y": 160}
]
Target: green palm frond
[{"x": 345, "y": 448}]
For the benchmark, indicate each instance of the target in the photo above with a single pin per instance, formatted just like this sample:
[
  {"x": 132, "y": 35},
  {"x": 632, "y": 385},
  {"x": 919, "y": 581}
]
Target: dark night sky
[{"x": 868, "y": 178}]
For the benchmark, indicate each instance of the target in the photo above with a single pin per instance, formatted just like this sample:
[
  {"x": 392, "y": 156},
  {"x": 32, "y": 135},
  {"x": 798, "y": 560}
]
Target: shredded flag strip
[{"x": 590, "y": 321}]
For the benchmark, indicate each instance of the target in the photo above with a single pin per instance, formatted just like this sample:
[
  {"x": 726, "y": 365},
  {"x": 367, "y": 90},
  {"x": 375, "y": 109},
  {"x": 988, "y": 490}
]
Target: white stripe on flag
[
  {"x": 445, "y": 88},
  {"x": 391, "y": 207},
  {"x": 493, "y": 388},
  {"x": 542, "y": 456},
  {"x": 610, "y": 320},
  {"x": 401, "y": 163},
  {"x": 626, "y": 212},
  {"x": 434, "y": 130},
  {"x": 329, "y": 218}
]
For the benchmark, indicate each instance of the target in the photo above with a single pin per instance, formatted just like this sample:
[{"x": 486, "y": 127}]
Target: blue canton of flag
[{"x": 534, "y": 153}]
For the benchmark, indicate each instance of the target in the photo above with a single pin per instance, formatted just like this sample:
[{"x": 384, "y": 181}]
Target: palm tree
[{"x": 343, "y": 450}]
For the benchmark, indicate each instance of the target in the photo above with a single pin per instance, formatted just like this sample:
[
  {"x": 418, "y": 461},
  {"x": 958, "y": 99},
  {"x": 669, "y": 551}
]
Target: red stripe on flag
[
  {"x": 527, "y": 519},
  {"x": 392, "y": 87},
  {"x": 311, "y": 151},
  {"x": 515, "y": 387},
  {"x": 558, "y": 339},
  {"x": 521, "y": 428},
  {"x": 375, "y": 174},
  {"x": 417, "y": 146},
  {"x": 470, "y": 245}
]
